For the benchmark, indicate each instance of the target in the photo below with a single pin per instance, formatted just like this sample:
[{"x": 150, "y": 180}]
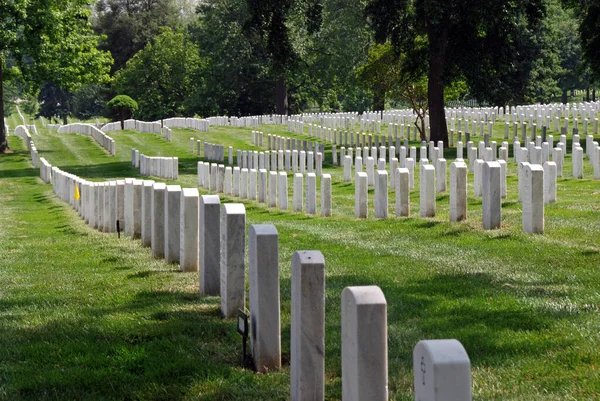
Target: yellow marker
[{"x": 77, "y": 192}]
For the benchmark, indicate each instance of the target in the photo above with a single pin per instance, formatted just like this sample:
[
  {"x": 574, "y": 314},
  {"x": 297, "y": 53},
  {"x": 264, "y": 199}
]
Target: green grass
[{"x": 85, "y": 315}]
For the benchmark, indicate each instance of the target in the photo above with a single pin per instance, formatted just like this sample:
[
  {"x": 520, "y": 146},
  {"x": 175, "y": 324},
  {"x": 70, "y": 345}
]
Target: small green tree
[{"x": 122, "y": 106}]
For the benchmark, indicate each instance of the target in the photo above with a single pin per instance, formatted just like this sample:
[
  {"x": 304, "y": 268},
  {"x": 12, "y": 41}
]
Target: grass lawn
[{"x": 84, "y": 315}]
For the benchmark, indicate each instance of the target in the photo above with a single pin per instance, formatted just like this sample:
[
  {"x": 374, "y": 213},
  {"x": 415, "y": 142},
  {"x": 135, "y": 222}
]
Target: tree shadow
[{"x": 155, "y": 346}]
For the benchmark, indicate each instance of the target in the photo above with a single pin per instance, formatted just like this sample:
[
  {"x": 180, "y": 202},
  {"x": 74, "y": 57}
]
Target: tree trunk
[
  {"x": 281, "y": 97},
  {"x": 587, "y": 94},
  {"x": 593, "y": 95},
  {"x": 438, "y": 42},
  {"x": 64, "y": 118},
  {"x": 378, "y": 99},
  {"x": 122, "y": 119},
  {"x": 3, "y": 142},
  {"x": 565, "y": 99}
]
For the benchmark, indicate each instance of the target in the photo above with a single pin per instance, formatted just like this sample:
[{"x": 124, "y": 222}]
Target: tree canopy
[
  {"x": 49, "y": 40},
  {"x": 489, "y": 44},
  {"x": 165, "y": 76}
]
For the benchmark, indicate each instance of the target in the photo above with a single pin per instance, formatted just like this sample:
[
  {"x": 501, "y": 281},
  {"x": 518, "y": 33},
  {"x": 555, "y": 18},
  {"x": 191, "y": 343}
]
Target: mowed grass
[{"x": 85, "y": 315}]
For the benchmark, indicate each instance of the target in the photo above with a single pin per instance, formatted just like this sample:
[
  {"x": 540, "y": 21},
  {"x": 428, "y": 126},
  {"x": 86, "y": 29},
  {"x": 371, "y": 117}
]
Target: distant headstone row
[
  {"x": 270, "y": 187},
  {"x": 161, "y": 167},
  {"x": 290, "y": 161},
  {"x": 212, "y": 151},
  {"x": 87, "y": 129},
  {"x": 23, "y": 132},
  {"x": 197, "y": 124}
]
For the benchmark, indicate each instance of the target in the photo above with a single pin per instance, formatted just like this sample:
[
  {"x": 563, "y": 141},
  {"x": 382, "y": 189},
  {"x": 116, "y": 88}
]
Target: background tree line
[{"x": 244, "y": 57}]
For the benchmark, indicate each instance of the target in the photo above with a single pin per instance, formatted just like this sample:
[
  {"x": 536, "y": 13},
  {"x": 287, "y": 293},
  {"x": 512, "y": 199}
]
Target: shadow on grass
[
  {"x": 482, "y": 313},
  {"x": 156, "y": 346},
  {"x": 103, "y": 170}
]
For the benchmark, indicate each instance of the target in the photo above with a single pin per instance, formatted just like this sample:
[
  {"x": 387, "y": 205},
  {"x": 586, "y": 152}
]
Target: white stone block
[
  {"x": 442, "y": 371},
  {"x": 492, "y": 196},
  {"x": 262, "y": 186},
  {"x": 244, "y": 183},
  {"x": 147, "y": 190},
  {"x": 252, "y": 184},
  {"x": 172, "y": 215},
  {"x": 307, "y": 350},
  {"x": 347, "y": 168},
  {"x": 158, "y": 220},
  {"x": 533, "y": 199},
  {"x": 263, "y": 274},
  {"x": 381, "y": 194},
  {"x": 272, "y": 189},
  {"x": 364, "y": 344},
  {"x": 361, "y": 196},
  {"x": 282, "y": 190},
  {"x": 477, "y": 177},
  {"x": 209, "y": 271},
  {"x": 427, "y": 191},
  {"x": 189, "y": 230},
  {"x": 441, "y": 175},
  {"x": 458, "y": 191},
  {"x": 577, "y": 163},
  {"x": 402, "y": 188},
  {"x": 549, "y": 182},
  {"x": 233, "y": 247},
  {"x": 326, "y": 195},
  {"x": 298, "y": 192},
  {"x": 311, "y": 193}
]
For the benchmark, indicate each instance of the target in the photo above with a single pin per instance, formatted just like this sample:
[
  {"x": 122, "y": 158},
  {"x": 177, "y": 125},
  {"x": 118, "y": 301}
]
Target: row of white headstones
[
  {"x": 211, "y": 239},
  {"x": 267, "y": 187}
]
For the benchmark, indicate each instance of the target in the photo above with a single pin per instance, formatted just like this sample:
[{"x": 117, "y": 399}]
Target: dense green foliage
[
  {"x": 122, "y": 107},
  {"x": 49, "y": 41},
  {"x": 165, "y": 77}
]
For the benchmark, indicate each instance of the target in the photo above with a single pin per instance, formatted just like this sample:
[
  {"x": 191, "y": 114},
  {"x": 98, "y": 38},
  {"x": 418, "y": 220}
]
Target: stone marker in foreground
[
  {"x": 282, "y": 190},
  {"x": 172, "y": 223},
  {"x": 263, "y": 273},
  {"x": 427, "y": 190},
  {"x": 311, "y": 193},
  {"x": 549, "y": 182},
  {"x": 325, "y": 195},
  {"x": 361, "y": 196},
  {"x": 307, "y": 350},
  {"x": 364, "y": 344},
  {"x": 272, "y": 189},
  {"x": 491, "y": 196},
  {"x": 147, "y": 190},
  {"x": 381, "y": 194},
  {"x": 442, "y": 371},
  {"x": 298, "y": 192},
  {"x": 402, "y": 192},
  {"x": 210, "y": 245},
  {"x": 233, "y": 246},
  {"x": 458, "y": 191},
  {"x": 189, "y": 230},
  {"x": 533, "y": 199},
  {"x": 158, "y": 220}
]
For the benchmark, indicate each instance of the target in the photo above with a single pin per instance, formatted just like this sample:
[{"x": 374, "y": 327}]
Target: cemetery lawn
[{"x": 85, "y": 315}]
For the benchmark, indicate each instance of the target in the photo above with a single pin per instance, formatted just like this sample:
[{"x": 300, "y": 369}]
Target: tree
[
  {"x": 48, "y": 39},
  {"x": 55, "y": 103},
  {"x": 162, "y": 76},
  {"x": 589, "y": 20},
  {"x": 274, "y": 21},
  {"x": 488, "y": 43},
  {"x": 128, "y": 25},
  {"x": 89, "y": 101},
  {"x": 122, "y": 106},
  {"x": 381, "y": 73},
  {"x": 237, "y": 80}
]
